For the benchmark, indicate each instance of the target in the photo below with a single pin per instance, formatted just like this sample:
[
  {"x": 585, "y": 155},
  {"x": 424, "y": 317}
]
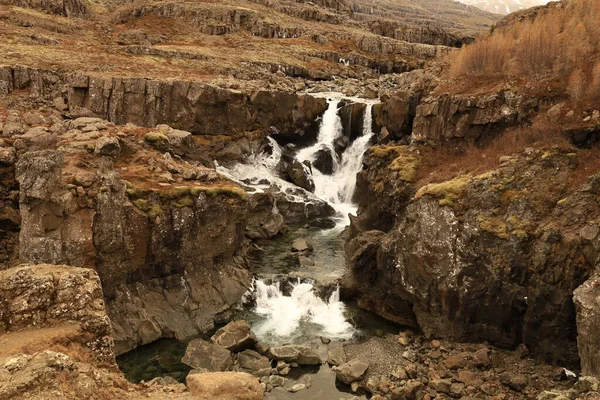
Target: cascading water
[
  {"x": 302, "y": 314},
  {"x": 338, "y": 188}
]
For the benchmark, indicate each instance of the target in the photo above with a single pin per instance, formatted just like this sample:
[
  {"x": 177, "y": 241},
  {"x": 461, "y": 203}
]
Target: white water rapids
[{"x": 302, "y": 313}]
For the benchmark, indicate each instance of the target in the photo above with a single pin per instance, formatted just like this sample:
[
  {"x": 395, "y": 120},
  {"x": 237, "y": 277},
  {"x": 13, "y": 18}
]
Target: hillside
[{"x": 504, "y": 6}]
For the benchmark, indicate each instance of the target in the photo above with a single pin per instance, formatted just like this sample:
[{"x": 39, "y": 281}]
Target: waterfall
[
  {"x": 301, "y": 313},
  {"x": 338, "y": 188}
]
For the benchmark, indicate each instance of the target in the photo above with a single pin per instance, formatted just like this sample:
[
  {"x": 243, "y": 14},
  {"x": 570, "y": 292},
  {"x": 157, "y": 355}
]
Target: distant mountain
[{"x": 503, "y": 6}]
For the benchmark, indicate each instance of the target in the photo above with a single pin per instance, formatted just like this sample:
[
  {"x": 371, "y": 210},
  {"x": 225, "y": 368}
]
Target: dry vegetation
[
  {"x": 447, "y": 164},
  {"x": 562, "y": 43}
]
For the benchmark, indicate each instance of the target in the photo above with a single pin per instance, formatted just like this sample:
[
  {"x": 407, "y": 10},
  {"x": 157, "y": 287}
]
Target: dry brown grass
[
  {"x": 561, "y": 44},
  {"x": 446, "y": 164}
]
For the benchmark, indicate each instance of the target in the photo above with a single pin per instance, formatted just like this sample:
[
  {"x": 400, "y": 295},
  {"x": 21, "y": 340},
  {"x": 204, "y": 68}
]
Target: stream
[{"x": 290, "y": 303}]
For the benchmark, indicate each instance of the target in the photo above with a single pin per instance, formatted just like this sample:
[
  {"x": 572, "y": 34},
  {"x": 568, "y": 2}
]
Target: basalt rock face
[
  {"x": 494, "y": 257},
  {"x": 447, "y": 117},
  {"x": 171, "y": 258},
  {"x": 191, "y": 106}
]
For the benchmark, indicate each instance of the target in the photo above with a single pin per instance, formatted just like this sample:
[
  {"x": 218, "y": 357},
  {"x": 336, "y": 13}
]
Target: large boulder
[
  {"x": 300, "y": 175},
  {"x": 235, "y": 336},
  {"x": 202, "y": 354},
  {"x": 587, "y": 303},
  {"x": 224, "y": 386},
  {"x": 351, "y": 371}
]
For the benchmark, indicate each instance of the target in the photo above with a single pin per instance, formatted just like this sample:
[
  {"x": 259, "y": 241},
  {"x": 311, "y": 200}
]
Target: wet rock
[
  {"x": 296, "y": 388},
  {"x": 587, "y": 303},
  {"x": 300, "y": 175},
  {"x": 250, "y": 360},
  {"x": 305, "y": 261},
  {"x": 351, "y": 371},
  {"x": 202, "y": 354},
  {"x": 225, "y": 386},
  {"x": 303, "y": 355},
  {"x": 235, "y": 336},
  {"x": 336, "y": 355},
  {"x": 325, "y": 340},
  {"x": 301, "y": 245},
  {"x": 514, "y": 381},
  {"x": 324, "y": 161},
  {"x": 108, "y": 146}
]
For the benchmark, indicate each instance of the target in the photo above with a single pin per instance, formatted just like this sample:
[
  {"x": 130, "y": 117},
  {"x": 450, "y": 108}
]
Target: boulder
[
  {"x": 300, "y": 175},
  {"x": 324, "y": 161},
  {"x": 351, "y": 371},
  {"x": 587, "y": 304},
  {"x": 235, "y": 336},
  {"x": 303, "y": 355},
  {"x": 252, "y": 361},
  {"x": 514, "y": 381},
  {"x": 224, "y": 386},
  {"x": 336, "y": 355},
  {"x": 108, "y": 146},
  {"x": 301, "y": 245},
  {"x": 202, "y": 354}
]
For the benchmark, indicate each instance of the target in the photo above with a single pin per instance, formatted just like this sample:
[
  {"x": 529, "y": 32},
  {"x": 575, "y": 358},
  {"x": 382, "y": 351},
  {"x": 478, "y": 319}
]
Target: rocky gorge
[{"x": 335, "y": 222}]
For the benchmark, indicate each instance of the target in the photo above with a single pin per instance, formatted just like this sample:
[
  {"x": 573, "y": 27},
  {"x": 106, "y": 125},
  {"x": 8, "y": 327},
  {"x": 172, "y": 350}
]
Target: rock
[
  {"x": 235, "y": 336},
  {"x": 587, "y": 304},
  {"x": 370, "y": 92},
  {"x": 252, "y": 361},
  {"x": 336, "y": 355},
  {"x": 440, "y": 385},
  {"x": 224, "y": 386},
  {"x": 325, "y": 340},
  {"x": 305, "y": 261},
  {"x": 457, "y": 390},
  {"x": 469, "y": 378},
  {"x": 516, "y": 382},
  {"x": 12, "y": 128},
  {"x": 522, "y": 351},
  {"x": 202, "y": 354},
  {"x": 296, "y": 388},
  {"x": 300, "y": 175},
  {"x": 456, "y": 361},
  {"x": 324, "y": 161},
  {"x": 108, "y": 146},
  {"x": 8, "y": 156},
  {"x": 182, "y": 142},
  {"x": 275, "y": 380},
  {"x": 301, "y": 246},
  {"x": 504, "y": 159},
  {"x": 303, "y": 355},
  {"x": 351, "y": 371},
  {"x": 408, "y": 391},
  {"x": 586, "y": 384},
  {"x": 481, "y": 358},
  {"x": 47, "y": 296}
]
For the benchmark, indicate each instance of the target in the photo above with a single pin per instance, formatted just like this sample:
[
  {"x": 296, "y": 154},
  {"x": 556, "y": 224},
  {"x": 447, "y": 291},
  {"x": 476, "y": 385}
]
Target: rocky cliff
[
  {"x": 169, "y": 250},
  {"x": 491, "y": 257}
]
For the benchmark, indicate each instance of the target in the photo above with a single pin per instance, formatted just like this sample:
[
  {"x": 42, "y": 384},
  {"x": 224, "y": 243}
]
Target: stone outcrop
[
  {"x": 44, "y": 296},
  {"x": 477, "y": 258},
  {"x": 186, "y": 105},
  {"x": 447, "y": 117},
  {"x": 587, "y": 303},
  {"x": 171, "y": 258}
]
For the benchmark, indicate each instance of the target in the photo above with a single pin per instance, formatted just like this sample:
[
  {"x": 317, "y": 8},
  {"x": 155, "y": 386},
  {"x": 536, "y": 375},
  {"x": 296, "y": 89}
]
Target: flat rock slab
[{"x": 201, "y": 354}]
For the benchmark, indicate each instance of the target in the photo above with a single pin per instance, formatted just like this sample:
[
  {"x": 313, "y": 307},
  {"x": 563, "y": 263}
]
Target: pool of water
[{"x": 160, "y": 358}]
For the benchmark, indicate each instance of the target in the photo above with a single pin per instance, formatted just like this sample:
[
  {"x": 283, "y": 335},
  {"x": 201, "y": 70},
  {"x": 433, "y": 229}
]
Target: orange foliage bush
[{"x": 561, "y": 42}]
